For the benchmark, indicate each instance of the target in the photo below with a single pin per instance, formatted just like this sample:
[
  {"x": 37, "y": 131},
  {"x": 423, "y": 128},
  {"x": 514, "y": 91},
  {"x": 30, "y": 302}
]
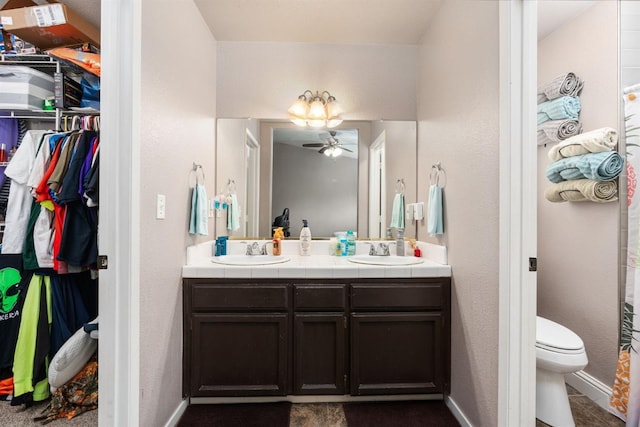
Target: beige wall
[
  {"x": 178, "y": 128},
  {"x": 458, "y": 125},
  {"x": 262, "y": 80},
  {"x": 578, "y": 242}
]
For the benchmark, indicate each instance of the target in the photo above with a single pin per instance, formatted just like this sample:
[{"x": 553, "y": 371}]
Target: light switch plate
[{"x": 160, "y": 206}]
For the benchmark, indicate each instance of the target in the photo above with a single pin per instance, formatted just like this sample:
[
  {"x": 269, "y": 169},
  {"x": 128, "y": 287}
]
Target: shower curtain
[{"x": 625, "y": 396}]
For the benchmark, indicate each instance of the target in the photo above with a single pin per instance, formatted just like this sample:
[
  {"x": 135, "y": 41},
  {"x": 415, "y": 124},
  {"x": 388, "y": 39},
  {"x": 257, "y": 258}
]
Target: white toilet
[{"x": 559, "y": 351}]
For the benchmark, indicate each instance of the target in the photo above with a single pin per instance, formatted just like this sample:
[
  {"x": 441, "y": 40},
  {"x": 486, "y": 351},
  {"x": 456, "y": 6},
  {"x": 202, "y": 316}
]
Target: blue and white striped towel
[
  {"x": 605, "y": 166},
  {"x": 566, "y": 107}
]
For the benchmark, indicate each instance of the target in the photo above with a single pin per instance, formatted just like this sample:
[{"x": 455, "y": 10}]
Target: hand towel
[
  {"x": 581, "y": 190},
  {"x": 595, "y": 141},
  {"x": 565, "y": 84},
  {"x": 233, "y": 213},
  {"x": 566, "y": 107},
  {"x": 397, "y": 211},
  {"x": 555, "y": 131},
  {"x": 434, "y": 218},
  {"x": 605, "y": 166},
  {"x": 199, "y": 223}
]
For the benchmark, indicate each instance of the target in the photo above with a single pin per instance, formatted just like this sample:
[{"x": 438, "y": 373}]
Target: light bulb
[{"x": 316, "y": 110}]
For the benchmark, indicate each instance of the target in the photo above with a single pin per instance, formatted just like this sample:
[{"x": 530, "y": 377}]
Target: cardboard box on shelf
[{"x": 49, "y": 25}]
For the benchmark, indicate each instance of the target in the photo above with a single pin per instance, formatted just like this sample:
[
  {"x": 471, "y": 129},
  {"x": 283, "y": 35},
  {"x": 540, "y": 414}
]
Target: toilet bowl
[{"x": 559, "y": 351}]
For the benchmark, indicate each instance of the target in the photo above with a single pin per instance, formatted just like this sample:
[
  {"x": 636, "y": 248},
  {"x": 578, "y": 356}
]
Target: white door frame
[
  {"x": 518, "y": 204},
  {"x": 120, "y": 219},
  {"x": 377, "y": 180},
  {"x": 252, "y": 180},
  {"x": 119, "y": 234}
]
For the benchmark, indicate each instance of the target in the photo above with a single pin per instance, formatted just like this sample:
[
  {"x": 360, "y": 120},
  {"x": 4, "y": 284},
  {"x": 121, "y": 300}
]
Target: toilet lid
[{"x": 552, "y": 335}]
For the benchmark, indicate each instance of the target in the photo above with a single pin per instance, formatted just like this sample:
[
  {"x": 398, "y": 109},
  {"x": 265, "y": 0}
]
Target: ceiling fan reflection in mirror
[{"x": 331, "y": 147}]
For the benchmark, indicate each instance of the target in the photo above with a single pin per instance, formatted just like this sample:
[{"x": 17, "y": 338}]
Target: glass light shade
[
  {"x": 331, "y": 123},
  {"x": 327, "y": 152},
  {"x": 333, "y": 109},
  {"x": 336, "y": 151},
  {"x": 300, "y": 108},
  {"x": 316, "y": 123},
  {"x": 316, "y": 111},
  {"x": 298, "y": 121}
]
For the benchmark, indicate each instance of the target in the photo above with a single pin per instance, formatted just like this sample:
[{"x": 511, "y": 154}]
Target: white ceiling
[
  {"x": 331, "y": 21},
  {"x": 347, "y": 21}
]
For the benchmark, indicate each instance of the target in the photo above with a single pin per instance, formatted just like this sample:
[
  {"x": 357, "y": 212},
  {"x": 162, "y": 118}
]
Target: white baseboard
[
  {"x": 177, "y": 414},
  {"x": 591, "y": 387},
  {"x": 455, "y": 410}
]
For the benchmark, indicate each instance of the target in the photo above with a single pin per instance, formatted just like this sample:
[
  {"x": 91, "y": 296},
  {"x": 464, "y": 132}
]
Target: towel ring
[
  {"x": 195, "y": 169},
  {"x": 437, "y": 175},
  {"x": 231, "y": 186}
]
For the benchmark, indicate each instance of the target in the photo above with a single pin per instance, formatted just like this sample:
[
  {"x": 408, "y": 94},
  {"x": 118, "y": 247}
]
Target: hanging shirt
[{"x": 20, "y": 199}]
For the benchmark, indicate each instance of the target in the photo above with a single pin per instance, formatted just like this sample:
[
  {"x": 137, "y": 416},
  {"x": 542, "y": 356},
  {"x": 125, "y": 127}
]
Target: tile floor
[
  {"x": 586, "y": 413},
  {"x": 317, "y": 415}
]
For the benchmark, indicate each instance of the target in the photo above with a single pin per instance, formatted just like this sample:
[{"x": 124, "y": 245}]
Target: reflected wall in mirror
[
  {"x": 349, "y": 191},
  {"x": 315, "y": 177}
]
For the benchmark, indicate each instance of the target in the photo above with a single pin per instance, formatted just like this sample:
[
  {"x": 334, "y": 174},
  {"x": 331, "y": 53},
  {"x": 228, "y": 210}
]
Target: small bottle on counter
[
  {"x": 305, "y": 239},
  {"x": 400, "y": 242},
  {"x": 277, "y": 241}
]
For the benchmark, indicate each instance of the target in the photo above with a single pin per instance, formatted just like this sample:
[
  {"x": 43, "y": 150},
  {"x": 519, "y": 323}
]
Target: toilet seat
[{"x": 556, "y": 338}]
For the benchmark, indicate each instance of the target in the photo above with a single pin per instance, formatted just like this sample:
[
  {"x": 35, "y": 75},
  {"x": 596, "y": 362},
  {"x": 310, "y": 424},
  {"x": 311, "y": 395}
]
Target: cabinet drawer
[
  {"x": 319, "y": 297},
  {"x": 207, "y": 297},
  {"x": 396, "y": 296}
]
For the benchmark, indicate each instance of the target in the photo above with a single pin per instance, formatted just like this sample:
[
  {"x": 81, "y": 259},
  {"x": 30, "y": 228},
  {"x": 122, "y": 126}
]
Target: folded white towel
[
  {"x": 580, "y": 190},
  {"x": 595, "y": 141}
]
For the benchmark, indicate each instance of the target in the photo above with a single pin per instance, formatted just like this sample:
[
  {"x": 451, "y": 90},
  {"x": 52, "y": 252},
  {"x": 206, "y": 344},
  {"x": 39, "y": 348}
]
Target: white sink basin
[
  {"x": 249, "y": 259},
  {"x": 385, "y": 260}
]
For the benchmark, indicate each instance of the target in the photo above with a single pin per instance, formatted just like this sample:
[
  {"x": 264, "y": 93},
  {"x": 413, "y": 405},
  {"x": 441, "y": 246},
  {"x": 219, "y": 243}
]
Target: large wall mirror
[{"x": 338, "y": 179}]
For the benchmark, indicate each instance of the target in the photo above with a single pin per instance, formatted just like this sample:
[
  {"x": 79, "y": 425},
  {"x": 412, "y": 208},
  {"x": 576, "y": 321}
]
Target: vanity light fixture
[{"x": 316, "y": 110}]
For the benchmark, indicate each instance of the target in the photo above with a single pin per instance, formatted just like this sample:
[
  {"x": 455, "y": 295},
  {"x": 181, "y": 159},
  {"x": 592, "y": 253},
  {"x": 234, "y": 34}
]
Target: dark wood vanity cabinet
[
  {"x": 319, "y": 339},
  {"x": 236, "y": 339},
  {"x": 399, "y": 338},
  {"x": 312, "y": 337}
]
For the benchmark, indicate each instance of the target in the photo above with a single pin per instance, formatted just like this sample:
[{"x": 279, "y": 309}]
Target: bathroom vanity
[{"x": 316, "y": 326}]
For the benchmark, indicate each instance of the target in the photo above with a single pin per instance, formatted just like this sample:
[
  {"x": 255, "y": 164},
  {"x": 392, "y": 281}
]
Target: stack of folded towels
[
  {"x": 585, "y": 167},
  {"x": 558, "y": 109}
]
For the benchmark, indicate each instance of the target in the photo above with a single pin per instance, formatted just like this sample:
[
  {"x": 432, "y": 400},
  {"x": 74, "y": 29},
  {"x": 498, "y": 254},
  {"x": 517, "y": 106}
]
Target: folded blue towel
[
  {"x": 605, "y": 166},
  {"x": 199, "y": 222},
  {"x": 434, "y": 217},
  {"x": 397, "y": 211},
  {"x": 566, "y": 107}
]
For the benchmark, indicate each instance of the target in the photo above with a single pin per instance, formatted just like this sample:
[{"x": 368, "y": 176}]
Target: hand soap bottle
[{"x": 305, "y": 239}]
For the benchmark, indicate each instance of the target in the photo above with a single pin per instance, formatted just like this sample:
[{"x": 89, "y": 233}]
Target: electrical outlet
[
  {"x": 212, "y": 209},
  {"x": 160, "y": 206}
]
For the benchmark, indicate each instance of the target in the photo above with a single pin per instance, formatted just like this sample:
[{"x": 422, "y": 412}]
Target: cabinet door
[
  {"x": 397, "y": 353},
  {"x": 239, "y": 354},
  {"x": 319, "y": 353}
]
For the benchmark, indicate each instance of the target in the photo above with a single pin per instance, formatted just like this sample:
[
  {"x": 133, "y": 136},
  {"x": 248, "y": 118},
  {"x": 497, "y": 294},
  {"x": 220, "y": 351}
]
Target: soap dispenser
[{"x": 305, "y": 239}]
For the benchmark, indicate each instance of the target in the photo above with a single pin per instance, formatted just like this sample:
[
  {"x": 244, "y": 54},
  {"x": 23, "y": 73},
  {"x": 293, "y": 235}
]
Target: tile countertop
[{"x": 319, "y": 265}]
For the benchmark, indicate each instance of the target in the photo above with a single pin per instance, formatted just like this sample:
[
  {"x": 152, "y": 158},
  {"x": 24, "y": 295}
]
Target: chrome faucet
[
  {"x": 255, "y": 249},
  {"x": 382, "y": 248}
]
